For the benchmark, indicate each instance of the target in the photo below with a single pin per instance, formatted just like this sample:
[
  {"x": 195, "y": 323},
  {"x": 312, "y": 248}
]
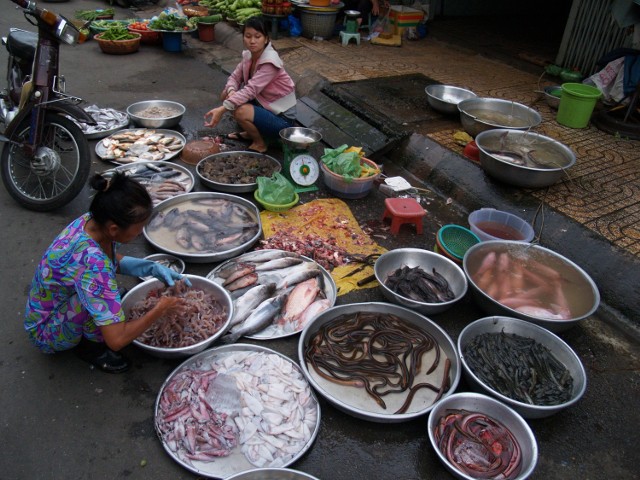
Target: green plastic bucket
[{"x": 576, "y": 104}]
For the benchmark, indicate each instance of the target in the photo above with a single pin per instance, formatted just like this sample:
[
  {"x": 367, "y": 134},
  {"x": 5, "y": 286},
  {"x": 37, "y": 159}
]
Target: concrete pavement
[{"x": 62, "y": 420}]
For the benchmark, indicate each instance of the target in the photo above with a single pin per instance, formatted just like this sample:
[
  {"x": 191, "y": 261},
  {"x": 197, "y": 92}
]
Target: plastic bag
[
  {"x": 382, "y": 24},
  {"x": 609, "y": 81},
  {"x": 343, "y": 163},
  {"x": 295, "y": 27},
  {"x": 276, "y": 189}
]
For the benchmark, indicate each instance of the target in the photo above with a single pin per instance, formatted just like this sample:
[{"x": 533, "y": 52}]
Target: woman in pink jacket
[{"x": 260, "y": 94}]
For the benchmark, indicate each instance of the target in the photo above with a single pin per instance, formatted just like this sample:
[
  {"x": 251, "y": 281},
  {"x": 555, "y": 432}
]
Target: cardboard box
[{"x": 402, "y": 17}]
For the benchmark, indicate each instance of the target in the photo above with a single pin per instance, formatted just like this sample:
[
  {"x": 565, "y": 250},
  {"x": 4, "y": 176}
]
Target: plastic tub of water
[{"x": 492, "y": 224}]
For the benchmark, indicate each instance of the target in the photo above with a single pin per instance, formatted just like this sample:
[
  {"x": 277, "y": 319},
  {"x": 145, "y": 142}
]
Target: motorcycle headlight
[{"x": 67, "y": 32}]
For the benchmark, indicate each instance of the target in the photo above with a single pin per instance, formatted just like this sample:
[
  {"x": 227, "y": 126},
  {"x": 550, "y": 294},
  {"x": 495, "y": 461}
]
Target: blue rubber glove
[{"x": 138, "y": 267}]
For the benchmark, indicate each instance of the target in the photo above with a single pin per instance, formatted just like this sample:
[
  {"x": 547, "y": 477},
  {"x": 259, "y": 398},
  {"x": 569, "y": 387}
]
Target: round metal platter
[
  {"x": 233, "y": 187},
  {"x": 174, "y": 263},
  {"x": 105, "y": 133},
  {"x": 236, "y": 462},
  {"x": 150, "y": 169},
  {"x": 168, "y": 243},
  {"x": 103, "y": 152},
  {"x": 329, "y": 288},
  {"x": 356, "y": 401}
]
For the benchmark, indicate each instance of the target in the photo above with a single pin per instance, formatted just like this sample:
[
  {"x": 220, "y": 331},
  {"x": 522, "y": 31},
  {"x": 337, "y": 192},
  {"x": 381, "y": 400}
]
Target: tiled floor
[{"x": 602, "y": 190}]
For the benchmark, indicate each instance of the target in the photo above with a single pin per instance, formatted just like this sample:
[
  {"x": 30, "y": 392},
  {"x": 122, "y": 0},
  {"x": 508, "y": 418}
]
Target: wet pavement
[{"x": 63, "y": 420}]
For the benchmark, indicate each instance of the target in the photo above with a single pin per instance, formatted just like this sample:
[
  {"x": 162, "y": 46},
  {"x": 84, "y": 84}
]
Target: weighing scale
[
  {"x": 299, "y": 165},
  {"x": 351, "y": 21}
]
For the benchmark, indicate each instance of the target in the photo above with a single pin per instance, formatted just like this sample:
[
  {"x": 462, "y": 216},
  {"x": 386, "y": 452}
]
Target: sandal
[
  {"x": 101, "y": 356},
  {"x": 237, "y": 137}
]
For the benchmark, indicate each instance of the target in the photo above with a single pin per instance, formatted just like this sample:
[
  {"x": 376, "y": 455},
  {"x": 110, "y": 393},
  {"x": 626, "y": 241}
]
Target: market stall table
[{"x": 273, "y": 20}]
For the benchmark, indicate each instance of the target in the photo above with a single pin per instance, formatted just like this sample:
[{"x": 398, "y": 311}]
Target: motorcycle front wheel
[{"x": 58, "y": 171}]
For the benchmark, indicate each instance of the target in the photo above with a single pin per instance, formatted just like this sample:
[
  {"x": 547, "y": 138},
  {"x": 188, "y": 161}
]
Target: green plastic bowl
[{"x": 276, "y": 208}]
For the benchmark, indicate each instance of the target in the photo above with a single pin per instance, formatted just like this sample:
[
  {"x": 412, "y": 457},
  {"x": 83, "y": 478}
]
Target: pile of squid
[
  {"x": 378, "y": 352},
  {"x": 254, "y": 403},
  {"x": 478, "y": 445},
  {"x": 197, "y": 318},
  {"x": 188, "y": 422},
  {"x": 416, "y": 284},
  {"x": 519, "y": 368}
]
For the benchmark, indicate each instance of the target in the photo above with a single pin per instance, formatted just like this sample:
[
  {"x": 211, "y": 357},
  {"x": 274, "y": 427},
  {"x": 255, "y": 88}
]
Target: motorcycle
[{"x": 45, "y": 159}]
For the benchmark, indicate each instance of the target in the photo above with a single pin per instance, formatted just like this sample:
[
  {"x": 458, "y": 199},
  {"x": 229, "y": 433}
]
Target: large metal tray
[
  {"x": 271, "y": 332},
  {"x": 224, "y": 467},
  {"x": 185, "y": 178},
  {"x": 232, "y": 187},
  {"x": 205, "y": 257},
  {"x": 355, "y": 401},
  {"x": 101, "y": 150}
]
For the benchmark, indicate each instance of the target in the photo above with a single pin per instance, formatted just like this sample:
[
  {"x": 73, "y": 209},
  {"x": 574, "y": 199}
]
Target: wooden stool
[{"x": 403, "y": 210}]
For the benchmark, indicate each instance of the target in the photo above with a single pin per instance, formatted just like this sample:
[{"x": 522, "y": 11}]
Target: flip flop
[
  {"x": 237, "y": 137},
  {"x": 253, "y": 150}
]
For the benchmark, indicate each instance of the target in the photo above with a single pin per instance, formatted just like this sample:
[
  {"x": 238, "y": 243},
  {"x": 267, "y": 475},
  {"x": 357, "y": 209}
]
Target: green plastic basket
[
  {"x": 456, "y": 240},
  {"x": 276, "y": 208}
]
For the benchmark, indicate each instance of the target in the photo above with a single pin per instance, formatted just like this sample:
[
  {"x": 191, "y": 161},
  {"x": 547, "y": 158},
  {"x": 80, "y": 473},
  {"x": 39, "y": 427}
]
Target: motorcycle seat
[{"x": 22, "y": 44}]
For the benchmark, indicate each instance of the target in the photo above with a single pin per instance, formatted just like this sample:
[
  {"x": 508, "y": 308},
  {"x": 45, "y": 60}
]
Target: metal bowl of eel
[
  {"x": 547, "y": 374},
  {"x": 519, "y": 454},
  {"x": 530, "y": 282},
  {"x": 204, "y": 227},
  {"x": 523, "y": 159},
  {"x": 220, "y": 304},
  {"x": 419, "y": 279},
  {"x": 326, "y": 344},
  {"x": 445, "y": 98},
  {"x": 156, "y": 113},
  {"x": 480, "y": 114}
]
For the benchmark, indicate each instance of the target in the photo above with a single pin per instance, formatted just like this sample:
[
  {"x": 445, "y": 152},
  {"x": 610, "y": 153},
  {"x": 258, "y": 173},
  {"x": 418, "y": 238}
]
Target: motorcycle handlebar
[{"x": 62, "y": 29}]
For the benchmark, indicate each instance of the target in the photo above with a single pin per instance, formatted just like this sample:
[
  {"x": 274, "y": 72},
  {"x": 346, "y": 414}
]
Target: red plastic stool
[{"x": 403, "y": 210}]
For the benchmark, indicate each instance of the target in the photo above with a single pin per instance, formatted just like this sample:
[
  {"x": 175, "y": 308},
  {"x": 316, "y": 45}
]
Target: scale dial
[{"x": 304, "y": 170}]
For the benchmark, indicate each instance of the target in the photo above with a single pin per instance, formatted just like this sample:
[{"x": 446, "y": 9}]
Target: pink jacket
[{"x": 270, "y": 85}]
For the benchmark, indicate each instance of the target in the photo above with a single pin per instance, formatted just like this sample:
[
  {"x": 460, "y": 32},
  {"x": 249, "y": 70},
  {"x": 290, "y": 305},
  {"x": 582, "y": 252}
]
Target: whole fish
[
  {"x": 244, "y": 281},
  {"x": 301, "y": 297},
  {"x": 244, "y": 305},
  {"x": 235, "y": 272},
  {"x": 286, "y": 277},
  {"x": 312, "y": 311},
  {"x": 258, "y": 256},
  {"x": 278, "y": 263},
  {"x": 230, "y": 268},
  {"x": 259, "y": 319}
]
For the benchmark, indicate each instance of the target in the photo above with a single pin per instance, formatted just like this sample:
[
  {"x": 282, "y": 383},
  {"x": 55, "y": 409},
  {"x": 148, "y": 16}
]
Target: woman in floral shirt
[{"x": 74, "y": 300}]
